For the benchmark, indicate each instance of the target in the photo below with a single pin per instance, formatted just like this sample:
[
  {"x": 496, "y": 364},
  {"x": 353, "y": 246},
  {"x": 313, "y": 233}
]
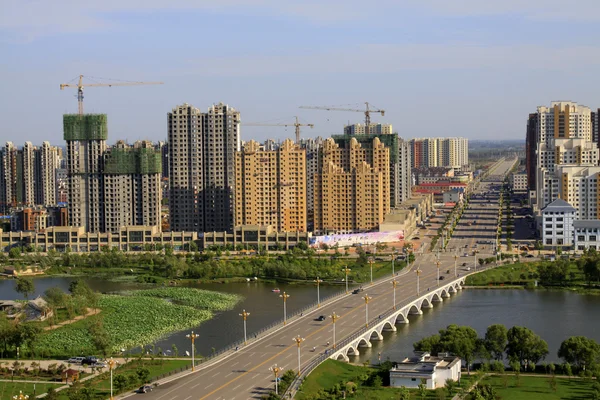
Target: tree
[
  {"x": 450, "y": 385},
  {"x": 523, "y": 345},
  {"x": 15, "y": 252},
  {"x": 430, "y": 344},
  {"x": 495, "y": 340},
  {"x": 142, "y": 374},
  {"x": 484, "y": 392},
  {"x": 403, "y": 393},
  {"x": 120, "y": 382},
  {"x": 460, "y": 340},
  {"x": 580, "y": 351},
  {"x": 24, "y": 286},
  {"x": 51, "y": 394},
  {"x": 423, "y": 388}
]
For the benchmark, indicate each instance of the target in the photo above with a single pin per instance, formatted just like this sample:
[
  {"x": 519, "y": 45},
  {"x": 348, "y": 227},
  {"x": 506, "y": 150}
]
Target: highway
[{"x": 245, "y": 374}]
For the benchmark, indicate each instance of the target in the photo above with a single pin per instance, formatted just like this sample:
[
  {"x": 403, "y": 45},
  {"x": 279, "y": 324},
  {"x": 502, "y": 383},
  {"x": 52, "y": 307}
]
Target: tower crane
[
  {"x": 367, "y": 111},
  {"x": 80, "y": 85},
  {"x": 296, "y": 124}
]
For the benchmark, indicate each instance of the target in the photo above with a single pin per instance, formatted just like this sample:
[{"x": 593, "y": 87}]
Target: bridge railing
[{"x": 315, "y": 362}]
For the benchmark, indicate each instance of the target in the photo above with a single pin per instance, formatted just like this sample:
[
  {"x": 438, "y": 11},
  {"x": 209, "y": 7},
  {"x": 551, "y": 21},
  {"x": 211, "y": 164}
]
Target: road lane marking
[
  {"x": 197, "y": 384},
  {"x": 215, "y": 374}
]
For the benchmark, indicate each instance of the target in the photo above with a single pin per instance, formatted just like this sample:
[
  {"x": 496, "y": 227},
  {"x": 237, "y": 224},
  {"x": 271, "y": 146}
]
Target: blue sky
[{"x": 439, "y": 68}]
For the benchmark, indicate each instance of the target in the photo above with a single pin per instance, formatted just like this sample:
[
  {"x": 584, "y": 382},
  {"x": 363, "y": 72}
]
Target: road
[{"x": 245, "y": 374}]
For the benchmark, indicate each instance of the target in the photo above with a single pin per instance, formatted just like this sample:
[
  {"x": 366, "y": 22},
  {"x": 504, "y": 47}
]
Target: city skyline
[{"x": 493, "y": 60}]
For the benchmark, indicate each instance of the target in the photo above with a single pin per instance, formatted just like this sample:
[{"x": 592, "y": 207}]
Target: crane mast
[
  {"x": 296, "y": 125},
  {"x": 80, "y": 85}
]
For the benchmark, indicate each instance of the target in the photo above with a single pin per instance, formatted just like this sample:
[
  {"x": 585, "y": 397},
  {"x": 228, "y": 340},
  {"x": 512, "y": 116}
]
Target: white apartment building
[
  {"x": 564, "y": 119},
  {"x": 372, "y": 129},
  {"x": 557, "y": 223},
  {"x": 519, "y": 182},
  {"x": 586, "y": 234},
  {"x": 440, "y": 152}
]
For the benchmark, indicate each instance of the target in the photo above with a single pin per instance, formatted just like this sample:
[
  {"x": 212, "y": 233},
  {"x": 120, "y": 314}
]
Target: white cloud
[
  {"x": 27, "y": 19},
  {"x": 397, "y": 58}
]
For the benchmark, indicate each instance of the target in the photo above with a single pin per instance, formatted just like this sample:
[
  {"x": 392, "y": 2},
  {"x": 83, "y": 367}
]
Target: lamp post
[
  {"x": 193, "y": 336},
  {"x": 367, "y": 298},
  {"x": 418, "y": 272},
  {"x": 371, "y": 262},
  {"x": 455, "y": 261},
  {"x": 318, "y": 281},
  {"x": 111, "y": 365},
  {"x": 394, "y": 284},
  {"x": 244, "y": 315},
  {"x": 20, "y": 396},
  {"x": 334, "y": 317},
  {"x": 275, "y": 370},
  {"x": 346, "y": 270},
  {"x": 475, "y": 260},
  {"x": 393, "y": 259},
  {"x": 298, "y": 339},
  {"x": 437, "y": 263},
  {"x": 284, "y": 296}
]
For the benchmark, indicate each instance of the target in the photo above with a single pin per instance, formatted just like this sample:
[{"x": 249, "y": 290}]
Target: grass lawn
[
  {"x": 513, "y": 274},
  {"x": 533, "y": 388},
  {"x": 10, "y": 389},
  {"x": 331, "y": 372}
]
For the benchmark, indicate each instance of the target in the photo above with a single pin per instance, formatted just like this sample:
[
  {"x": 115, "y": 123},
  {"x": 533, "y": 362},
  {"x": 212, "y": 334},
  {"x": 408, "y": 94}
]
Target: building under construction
[{"x": 109, "y": 187}]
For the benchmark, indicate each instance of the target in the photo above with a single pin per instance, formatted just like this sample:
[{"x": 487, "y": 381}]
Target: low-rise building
[
  {"x": 557, "y": 223},
  {"x": 255, "y": 237},
  {"x": 519, "y": 182},
  {"x": 453, "y": 196},
  {"x": 586, "y": 235},
  {"x": 434, "y": 370}
]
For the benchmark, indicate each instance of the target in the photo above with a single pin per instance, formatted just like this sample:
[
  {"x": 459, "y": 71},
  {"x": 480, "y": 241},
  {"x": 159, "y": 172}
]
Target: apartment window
[{"x": 592, "y": 238}]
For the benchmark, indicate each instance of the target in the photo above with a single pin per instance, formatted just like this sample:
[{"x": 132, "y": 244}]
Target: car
[
  {"x": 464, "y": 264},
  {"x": 466, "y": 255},
  {"x": 466, "y": 246},
  {"x": 320, "y": 318},
  {"x": 90, "y": 360},
  {"x": 416, "y": 238},
  {"x": 442, "y": 278},
  {"x": 529, "y": 256},
  {"x": 145, "y": 389},
  {"x": 75, "y": 360},
  {"x": 357, "y": 290},
  {"x": 98, "y": 364}
]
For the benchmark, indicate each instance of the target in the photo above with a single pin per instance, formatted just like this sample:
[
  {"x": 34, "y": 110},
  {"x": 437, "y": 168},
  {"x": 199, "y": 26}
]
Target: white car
[{"x": 75, "y": 360}]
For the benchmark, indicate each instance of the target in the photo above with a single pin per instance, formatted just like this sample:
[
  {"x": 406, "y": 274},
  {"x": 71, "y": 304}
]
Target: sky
[{"x": 468, "y": 68}]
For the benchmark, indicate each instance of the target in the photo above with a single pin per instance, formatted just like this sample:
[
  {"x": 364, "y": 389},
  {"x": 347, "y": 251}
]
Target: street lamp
[
  {"x": 20, "y": 396},
  {"x": 299, "y": 341},
  {"x": 367, "y": 298},
  {"x": 346, "y": 270},
  {"x": 371, "y": 262},
  {"x": 275, "y": 370},
  {"x": 475, "y": 260},
  {"x": 244, "y": 315},
  {"x": 334, "y": 317},
  {"x": 318, "y": 281},
  {"x": 418, "y": 272},
  {"x": 284, "y": 296},
  {"x": 438, "y": 271},
  {"x": 192, "y": 336},
  {"x": 455, "y": 261},
  {"x": 111, "y": 365},
  {"x": 394, "y": 284}
]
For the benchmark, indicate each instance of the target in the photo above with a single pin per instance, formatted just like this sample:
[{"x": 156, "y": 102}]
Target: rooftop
[
  {"x": 587, "y": 224},
  {"x": 559, "y": 205}
]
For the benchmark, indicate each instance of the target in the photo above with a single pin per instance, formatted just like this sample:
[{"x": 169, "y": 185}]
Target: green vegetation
[
  {"x": 540, "y": 387},
  {"x": 10, "y": 389},
  {"x": 198, "y": 298}
]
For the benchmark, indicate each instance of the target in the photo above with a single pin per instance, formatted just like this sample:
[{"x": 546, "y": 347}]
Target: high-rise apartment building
[
  {"x": 271, "y": 186},
  {"x": 352, "y": 188},
  {"x": 531, "y": 141},
  {"x": 371, "y": 129},
  {"x": 440, "y": 152},
  {"x": 202, "y": 148},
  {"x": 400, "y": 163},
  {"x": 109, "y": 188},
  {"x": 46, "y": 163},
  {"x": 312, "y": 148}
]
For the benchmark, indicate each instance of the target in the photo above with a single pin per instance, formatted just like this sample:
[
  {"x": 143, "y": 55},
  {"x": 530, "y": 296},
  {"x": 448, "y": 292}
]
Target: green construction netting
[
  {"x": 133, "y": 161},
  {"x": 85, "y": 127},
  {"x": 366, "y": 141}
]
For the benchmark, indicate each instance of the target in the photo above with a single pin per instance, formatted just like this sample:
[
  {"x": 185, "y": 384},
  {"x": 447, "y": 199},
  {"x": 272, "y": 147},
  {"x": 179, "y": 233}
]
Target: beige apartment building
[
  {"x": 352, "y": 188},
  {"x": 270, "y": 187}
]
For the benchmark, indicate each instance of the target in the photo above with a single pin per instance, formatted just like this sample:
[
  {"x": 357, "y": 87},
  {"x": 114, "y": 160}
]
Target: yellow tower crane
[
  {"x": 80, "y": 85},
  {"x": 367, "y": 111},
  {"x": 296, "y": 124}
]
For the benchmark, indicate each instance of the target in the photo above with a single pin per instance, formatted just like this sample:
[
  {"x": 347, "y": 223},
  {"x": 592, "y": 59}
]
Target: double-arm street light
[
  {"x": 318, "y": 281},
  {"x": 192, "y": 336},
  {"x": 371, "y": 262},
  {"x": 455, "y": 262},
  {"x": 275, "y": 370},
  {"x": 418, "y": 272},
  {"x": 20, "y": 396},
  {"x": 394, "y": 252},
  {"x": 244, "y": 315},
  {"x": 347, "y": 271},
  {"x": 367, "y": 298},
  {"x": 394, "y": 284},
  {"x": 284, "y": 296},
  {"x": 437, "y": 263},
  {"x": 334, "y": 317},
  {"x": 298, "y": 339},
  {"x": 111, "y": 365}
]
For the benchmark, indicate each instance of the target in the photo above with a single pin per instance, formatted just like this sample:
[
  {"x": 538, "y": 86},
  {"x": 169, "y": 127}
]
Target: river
[{"x": 554, "y": 315}]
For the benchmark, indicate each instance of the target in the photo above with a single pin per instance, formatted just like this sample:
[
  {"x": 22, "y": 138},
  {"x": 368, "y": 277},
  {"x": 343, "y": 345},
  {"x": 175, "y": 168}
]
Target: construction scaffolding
[
  {"x": 366, "y": 141},
  {"x": 85, "y": 127},
  {"x": 130, "y": 160}
]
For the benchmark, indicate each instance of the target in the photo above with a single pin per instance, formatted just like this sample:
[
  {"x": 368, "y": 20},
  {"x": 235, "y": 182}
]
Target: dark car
[
  {"x": 320, "y": 318},
  {"x": 89, "y": 361},
  {"x": 357, "y": 291},
  {"x": 442, "y": 277},
  {"x": 416, "y": 238},
  {"x": 464, "y": 264},
  {"x": 145, "y": 389},
  {"x": 529, "y": 256}
]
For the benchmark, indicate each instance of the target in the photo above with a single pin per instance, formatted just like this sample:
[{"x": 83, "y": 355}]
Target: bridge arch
[
  {"x": 414, "y": 309},
  {"x": 437, "y": 297},
  {"x": 363, "y": 343},
  {"x": 426, "y": 303},
  {"x": 352, "y": 351},
  {"x": 388, "y": 326},
  {"x": 401, "y": 319}
]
